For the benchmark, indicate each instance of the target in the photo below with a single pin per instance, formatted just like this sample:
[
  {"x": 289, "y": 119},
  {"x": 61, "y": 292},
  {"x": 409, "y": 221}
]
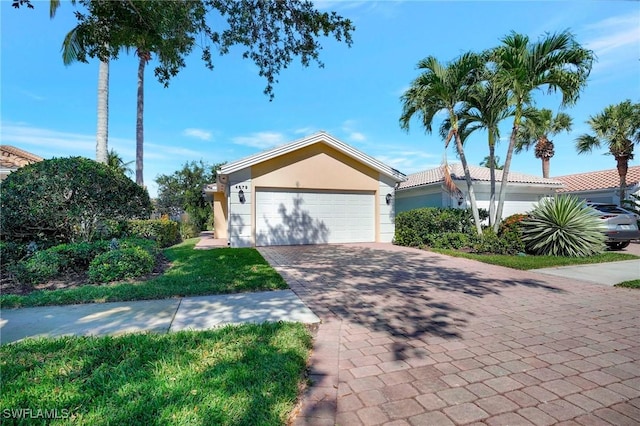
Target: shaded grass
[
  {"x": 629, "y": 284},
  {"x": 193, "y": 273},
  {"x": 536, "y": 262},
  {"x": 236, "y": 375}
]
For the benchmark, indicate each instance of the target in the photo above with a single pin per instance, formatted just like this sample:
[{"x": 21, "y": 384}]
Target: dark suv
[{"x": 620, "y": 225}]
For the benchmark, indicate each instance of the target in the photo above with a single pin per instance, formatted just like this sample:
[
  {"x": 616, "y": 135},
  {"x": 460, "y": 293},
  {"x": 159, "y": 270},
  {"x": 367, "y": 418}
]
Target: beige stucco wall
[
  {"x": 220, "y": 214},
  {"x": 317, "y": 166}
]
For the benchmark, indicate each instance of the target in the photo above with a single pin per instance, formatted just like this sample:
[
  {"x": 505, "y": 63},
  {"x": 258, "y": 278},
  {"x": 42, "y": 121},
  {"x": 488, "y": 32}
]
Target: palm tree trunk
[
  {"x": 623, "y": 168},
  {"x": 505, "y": 172},
  {"x": 545, "y": 167},
  {"x": 140, "y": 122},
  {"x": 492, "y": 178},
  {"x": 467, "y": 176},
  {"x": 102, "y": 134}
]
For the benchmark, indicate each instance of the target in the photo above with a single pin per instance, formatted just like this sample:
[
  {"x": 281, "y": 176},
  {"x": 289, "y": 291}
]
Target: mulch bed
[{"x": 72, "y": 279}]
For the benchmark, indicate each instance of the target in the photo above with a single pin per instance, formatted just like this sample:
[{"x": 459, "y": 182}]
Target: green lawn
[
  {"x": 537, "y": 262},
  {"x": 629, "y": 284},
  {"x": 236, "y": 375},
  {"x": 194, "y": 272}
]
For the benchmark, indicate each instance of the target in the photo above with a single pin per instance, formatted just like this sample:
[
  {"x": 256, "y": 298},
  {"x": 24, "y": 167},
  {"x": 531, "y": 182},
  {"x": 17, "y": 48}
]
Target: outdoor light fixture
[
  {"x": 460, "y": 199},
  {"x": 388, "y": 198},
  {"x": 241, "y": 196}
]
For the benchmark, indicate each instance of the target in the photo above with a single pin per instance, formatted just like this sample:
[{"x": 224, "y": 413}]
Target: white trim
[{"x": 310, "y": 140}]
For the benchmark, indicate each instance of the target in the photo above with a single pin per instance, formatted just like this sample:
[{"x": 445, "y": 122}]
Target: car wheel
[{"x": 618, "y": 245}]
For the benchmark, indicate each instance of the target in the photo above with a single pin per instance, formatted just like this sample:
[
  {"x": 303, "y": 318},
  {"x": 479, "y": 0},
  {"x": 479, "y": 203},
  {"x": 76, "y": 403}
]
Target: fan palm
[
  {"x": 555, "y": 63},
  {"x": 441, "y": 87},
  {"x": 536, "y": 130},
  {"x": 115, "y": 161},
  {"x": 618, "y": 128}
]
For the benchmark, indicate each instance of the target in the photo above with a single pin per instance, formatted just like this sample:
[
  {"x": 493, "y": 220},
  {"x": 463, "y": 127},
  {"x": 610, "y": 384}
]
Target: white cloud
[
  {"x": 261, "y": 140},
  {"x": 304, "y": 131},
  {"x": 163, "y": 151},
  {"x": 205, "y": 135},
  {"x": 615, "y": 41},
  {"x": 53, "y": 142},
  {"x": 348, "y": 126}
]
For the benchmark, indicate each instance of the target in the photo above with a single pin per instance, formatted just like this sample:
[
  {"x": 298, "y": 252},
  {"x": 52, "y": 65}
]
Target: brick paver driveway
[{"x": 412, "y": 337}]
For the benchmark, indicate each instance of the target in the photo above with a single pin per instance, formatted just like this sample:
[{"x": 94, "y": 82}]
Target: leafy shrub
[
  {"x": 188, "y": 230},
  {"x": 42, "y": 266},
  {"x": 78, "y": 256},
  {"x": 66, "y": 199},
  {"x": 508, "y": 243},
  {"x": 120, "y": 264},
  {"x": 422, "y": 227},
  {"x": 164, "y": 231},
  {"x": 563, "y": 226},
  {"x": 450, "y": 240},
  {"x": 11, "y": 252},
  {"x": 149, "y": 246}
]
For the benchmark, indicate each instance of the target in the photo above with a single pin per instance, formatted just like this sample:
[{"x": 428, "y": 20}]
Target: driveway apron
[{"x": 410, "y": 337}]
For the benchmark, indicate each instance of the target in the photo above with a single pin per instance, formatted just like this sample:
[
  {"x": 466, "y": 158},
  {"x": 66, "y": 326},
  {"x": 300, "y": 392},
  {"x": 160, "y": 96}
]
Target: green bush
[
  {"x": 563, "y": 226},
  {"x": 164, "y": 231},
  {"x": 78, "y": 256},
  {"x": 67, "y": 199},
  {"x": 423, "y": 227},
  {"x": 124, "y": 263},
  {"x": 41, "y": 267},
  {"x": 450, "y": 240},
  {"x": 509, "y": 243},
  {"x": 150, "y": 246},
  {"x": 188, "y": 230},
  {"x": 11, "y": 252}
]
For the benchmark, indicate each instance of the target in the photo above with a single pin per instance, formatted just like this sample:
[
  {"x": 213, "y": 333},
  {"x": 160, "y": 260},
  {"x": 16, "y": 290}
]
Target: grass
[
  {"x": 537, "y": 262},
  {"x": 193, "y": 273},
  {"x": 629, "y": 284},
  {"x": 237, "y": 375}
]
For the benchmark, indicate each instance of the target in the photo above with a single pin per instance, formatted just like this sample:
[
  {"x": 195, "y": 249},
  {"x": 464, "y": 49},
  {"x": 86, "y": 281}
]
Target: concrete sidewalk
[
  {"x": 610, "y": 273},
  {"x": 160, "y": 316}
]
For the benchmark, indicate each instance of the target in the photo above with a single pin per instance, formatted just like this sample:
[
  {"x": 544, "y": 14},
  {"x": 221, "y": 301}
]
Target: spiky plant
[{"x": 563, "y": 226}]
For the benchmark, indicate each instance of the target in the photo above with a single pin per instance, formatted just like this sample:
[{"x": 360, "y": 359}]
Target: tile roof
[
  {"x": 601, "y": 179},
  {"x": 478, "y": 173},
  {"x": 14, "y": 158}
]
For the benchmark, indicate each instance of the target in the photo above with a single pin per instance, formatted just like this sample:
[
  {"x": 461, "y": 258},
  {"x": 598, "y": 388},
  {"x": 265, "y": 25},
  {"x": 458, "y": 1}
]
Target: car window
[{"x": 610, "y": 208}]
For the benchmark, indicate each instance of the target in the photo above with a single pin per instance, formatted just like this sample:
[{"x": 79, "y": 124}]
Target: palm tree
[
  {"x": 617, "y": 127},
  {"x": 555, "y": 63},
  {"x": 486, "y": 162},
  {"x": 441, "y": 87},
  {"x": 73, "y": 51},
  {"x": 115, "y": 161},
  {"x": 485, "y": 107},
  {"x": 535, "y": 131}
]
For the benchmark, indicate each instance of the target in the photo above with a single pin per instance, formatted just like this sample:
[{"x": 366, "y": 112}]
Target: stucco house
[
  {"x": 426, "y": 189},
  {"x": 602, "y": 186},
  {"x": 313, "y": 190},
  {"x": 12, "y": 158}
]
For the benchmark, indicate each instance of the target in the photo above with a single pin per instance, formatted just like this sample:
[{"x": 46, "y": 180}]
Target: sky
[{"x": 49, "y": 109}]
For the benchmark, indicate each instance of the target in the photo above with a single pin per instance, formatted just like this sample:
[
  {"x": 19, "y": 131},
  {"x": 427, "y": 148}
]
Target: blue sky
[{"x": 222, "y": 115}]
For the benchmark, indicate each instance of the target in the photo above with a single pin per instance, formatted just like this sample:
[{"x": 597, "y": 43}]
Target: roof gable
[
  {"x": 478, "y": 174},
  {"x": 320, "y": 137},
  {"x": 14, "y": 158},
  {"x": 601, "y": 179}
]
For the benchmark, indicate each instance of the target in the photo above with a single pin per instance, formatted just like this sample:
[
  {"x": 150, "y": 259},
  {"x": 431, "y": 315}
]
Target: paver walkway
[{"x": 415, "y": 338}]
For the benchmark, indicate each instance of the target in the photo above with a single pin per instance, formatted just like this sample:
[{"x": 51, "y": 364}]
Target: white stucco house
[
  {"x": 313, "y": 190},
  {"x": 602, "y": 186},
  {"x": 426, "y": 189}
]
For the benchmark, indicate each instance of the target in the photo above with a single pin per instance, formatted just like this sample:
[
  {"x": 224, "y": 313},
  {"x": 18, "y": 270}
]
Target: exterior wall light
[
  {"x": 241, "y": 197},
  {"x": 460, "y": 199},
  {"x": 388, "y": 198}
]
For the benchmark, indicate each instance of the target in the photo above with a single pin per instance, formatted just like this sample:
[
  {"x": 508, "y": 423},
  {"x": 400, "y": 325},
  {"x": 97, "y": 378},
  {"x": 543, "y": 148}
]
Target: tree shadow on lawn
[
  {"x": 241, "y": 375},
  {"x": 410, "y": 294}
]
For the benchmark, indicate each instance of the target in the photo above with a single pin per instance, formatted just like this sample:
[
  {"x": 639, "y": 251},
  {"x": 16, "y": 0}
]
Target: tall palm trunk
[
  {"x": 623, "y": 168},
  {"x": 492, "y": 177},
  {"x": 467, "y": 176},
  {"x": 505, "y": 170},
  {"x": 140, "y": 121},
  {"x": 545, "y": 167},
  {"x": 102, "y": 133}
]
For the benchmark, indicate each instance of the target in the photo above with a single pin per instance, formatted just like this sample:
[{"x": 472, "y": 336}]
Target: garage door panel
[{"x": 306, "y": 217}]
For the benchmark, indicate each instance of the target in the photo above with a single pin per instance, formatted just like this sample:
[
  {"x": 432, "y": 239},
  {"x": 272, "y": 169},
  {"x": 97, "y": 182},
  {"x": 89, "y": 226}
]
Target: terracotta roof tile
[
  {"x": 14, "y": 158},
  {"x": 478, "y": 173},
  {"x": 601, "y": 179}
]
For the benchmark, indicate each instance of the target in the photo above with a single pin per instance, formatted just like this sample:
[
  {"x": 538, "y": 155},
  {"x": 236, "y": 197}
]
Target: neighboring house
[
  {"x": 314, "y": 190},
  {"x": 426, "y": 189},
  {"x": 601, "y": 186},
  {"x": 13, "y": 158}
]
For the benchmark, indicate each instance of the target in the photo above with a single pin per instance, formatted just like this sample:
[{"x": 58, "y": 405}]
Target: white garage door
[{"x": 291, "y": 217}]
